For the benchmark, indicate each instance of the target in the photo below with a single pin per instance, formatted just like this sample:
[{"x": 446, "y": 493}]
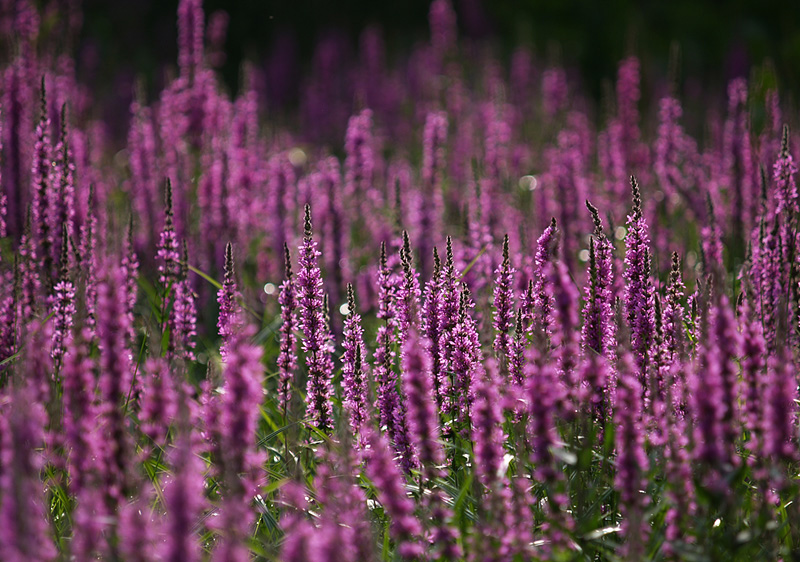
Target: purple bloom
[
  {"x": 390, "y": 485},
  {"x": 41, "y": 177},
  {"x": 488, "y": 438},
  {"x": 546, "y": 250},
  {"x": 738, "y": 159},
  {"x": 780, "y": 413},
  {"x": 226, "y": 298},
  {"x": 90, "y": 259},
  {"x": 236, "y": 431},
  {"x": 631, "y": 459},
  {"x": 464, "y": 360},
  {"x": 544, "y": 392},
  {"x": 713, "y": 387},
  {"x": 61, "y": 207},
  {"x": 674, "y": 314},
  {"x": 24, "y": 533},
  {"x": 599, "y": 330},
  {"x": 754, "y": 381},
  {"x": 63, "y": 313},
  {"x": 566, "y": 334},
  {"x": 287, "y": 357},
  {"x": 423, "y": 419},
  {"x": 354, "y": 379},
  {"x": 183, "y": 317},
  {"x": 407, "y": 298},
  {"x": 184, "y": 501},
  {"x": 433, "y": 163},
  {"x": 81, "y": 436},
  {"x": 168, "y": 251},
  {"x": 639, "y": 306},
  {"x": 487, "y": 429},
  {"x": 432, "y": 327},
  {"x": 392, "y": 414},
  {"x": 504, "y": 306},
  {"x": 675, "y": 155},
  {"x": 315, "y": 338},
  {"x": 448, "y": 318},
  {"x": 130, "y": 267},
  {"x": 360, "y": 161},
  {"x": 159, "y": 401},
  {"x": 115, "y": 383},
  {"x": 783, "y": 172},
  {"x": 190, "y": 37}
]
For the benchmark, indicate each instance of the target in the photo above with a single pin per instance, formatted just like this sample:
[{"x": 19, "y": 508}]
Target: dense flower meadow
[{"x": 445, "y": 308}]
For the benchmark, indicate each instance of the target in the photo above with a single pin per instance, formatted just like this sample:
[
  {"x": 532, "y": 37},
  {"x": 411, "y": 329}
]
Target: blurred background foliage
[{"x": 122, "y": 42}]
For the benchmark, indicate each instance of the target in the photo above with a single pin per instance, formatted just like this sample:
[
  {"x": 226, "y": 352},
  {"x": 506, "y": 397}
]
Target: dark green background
[{"x": 718, "y": 40}]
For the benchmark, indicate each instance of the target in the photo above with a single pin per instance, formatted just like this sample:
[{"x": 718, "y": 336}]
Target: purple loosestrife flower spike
[
  {"x": 423, "y": 419},
  {"x": 783, "y": 172},
  {"x": 711, "y": 243},
  {"x": 464, "y": 361},
  {"x": 566, "y": 333},
  {"x": 315, "y": 338},
  {"x": 738, "y": 159},
  {"x": 190, "y": 37},
  {"x": 360, "y": 161},
  {"x": 408, "y": 293},
  {"x": 674, "y": 152},
  {"x": 713, "y": 388},
  {"x": 89, "y": 258},
  {"x": 184, "y": 499},
  {"x": 30, "y": 286},
  {"x": 487, "y": 428},
  {"x": 780, "y": 414},
  {"x": 598, "y": 332},
  {"x": 130, "y": 268},
  {"x": 183, "y": 320},
  {"x": 425, "y": 434},
  {"x": 9, "y": 329},
  {"x": 3, "y": 208},
  {"x": 631, "y": 459},
  {"x": 488, "y": 438},
  {"x": 544, "y": 393},
  {"x": 238, "y": 421},
  {"x": 390, "y": 486},
  {"x": 448, "y": 318},
  {"x": 80, "y": 413},
  {"x": 159, "y": 402},
  {"x": 23, "y": 520},
  {"x": 287, "y": 357},
  {"x": 516, "y": 358},
  {"x": 63, "y": 307},
  {"x": 727, "y": 350},
  {"x": 432, "y": 325},
  {"x": 546, "y": 250},
  {"x": 390, "y": 397},
  {"x": 226, "y": 298},
  {"x": 504, "y": 306},
  {"x": 354, "y": 380},
  {"x": 168, "y": 251},
  {"x": 62, "y": 191},
  {"x": 639, "y": 306},
  {"x": 342, "y": 522},
  {"x": 754, "y": 381},
  {"x": 433, "y": 162},
  {"x": 674, "y": 314},
  {"x": 41, "y": 212},
  {"x": 115, "y": 382},
  {"x": 678, "y": 470}
]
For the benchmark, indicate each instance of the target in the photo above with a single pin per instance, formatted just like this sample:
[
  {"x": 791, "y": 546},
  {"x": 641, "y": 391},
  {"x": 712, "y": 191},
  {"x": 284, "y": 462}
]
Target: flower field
[{"x": 443, "y": 307}]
